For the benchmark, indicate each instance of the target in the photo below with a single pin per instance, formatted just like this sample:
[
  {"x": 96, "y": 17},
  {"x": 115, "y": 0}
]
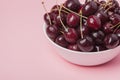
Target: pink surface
[{"x": 26, "y": 55}]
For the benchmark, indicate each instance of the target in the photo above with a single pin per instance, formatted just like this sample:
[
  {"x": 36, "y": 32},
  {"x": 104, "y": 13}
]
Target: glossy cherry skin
[
  {"x": 115, "y": 18},
  {"x": 73, "y": 47},
  {"x": 94, "y": 22},
  {"x": 57, "y": 18},
  {"x": 55, "y": 9},
  {"x": 85, "y": 30},
  {"x": 110, "y": 13},
  {"x": 118, "y": 33},
  {"x": 71, "y": 35},
  {"x": 84, "y": 22},
  {"x": 107, "y": 28},
  {"x": 103, "y": 2},
  {"x": 73, "y": 20},
  {"x": 47, "y": 16},
  {"x": 60, "y": 40},
  {"x": 111, "y": 41},
  {"x": 89, "y": 8},
  {"x": 114, "y": 2},
  {"x": 52, "y": 31},
  {"x": 73, "y": 5},
  {"x": 98, "y": 37},
  {"x": 85, "y": 44},
  {"x": 102, "y": 15},
  {"x": 99, "y": 48}
]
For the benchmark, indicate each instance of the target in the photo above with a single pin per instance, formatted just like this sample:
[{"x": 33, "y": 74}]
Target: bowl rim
[{"x": 77, "y": 52}]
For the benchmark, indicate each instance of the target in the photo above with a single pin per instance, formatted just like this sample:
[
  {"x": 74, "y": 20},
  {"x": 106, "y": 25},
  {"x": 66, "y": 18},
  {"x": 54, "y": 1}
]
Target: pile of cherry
[{"x": 89, "y": 27}]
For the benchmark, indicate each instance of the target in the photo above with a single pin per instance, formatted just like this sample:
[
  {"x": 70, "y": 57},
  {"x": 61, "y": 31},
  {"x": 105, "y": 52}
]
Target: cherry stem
[
  {"x": 62, "y": 32},
  {"x": 116, "y": 28},
  {"x": 105, "y": 5},
  {"x": 74, "y": 12},
  {"x": 46, "y": 12},
  {"x": 81, "y": 25},
  {"x": 115, "y": 25},
  {"x": 60, "y": 18},
  {"x": 109, "y": 8}
]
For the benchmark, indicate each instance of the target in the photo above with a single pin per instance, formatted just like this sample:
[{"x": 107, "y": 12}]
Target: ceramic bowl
[{"x": 84, "y": 58}]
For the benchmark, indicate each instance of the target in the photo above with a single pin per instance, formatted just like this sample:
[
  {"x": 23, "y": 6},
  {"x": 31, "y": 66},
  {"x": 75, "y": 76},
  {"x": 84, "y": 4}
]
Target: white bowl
[{"x": 84, "y": 58}]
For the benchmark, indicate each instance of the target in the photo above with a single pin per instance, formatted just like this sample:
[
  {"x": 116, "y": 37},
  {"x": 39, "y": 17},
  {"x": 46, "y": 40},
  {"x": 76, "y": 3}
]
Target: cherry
[
  {"x": 99, "y": 48},
  {"x": 85, "y": 44},
  {"x": 85, "y": 30},
  {"x": 71, "y": 35},
  {"x": 73, "y": 20},
  {"x": 89, "y": 8},
  {"x": 103, "y": 2},
  {"x": 110, "y": 13},
  {"x": 107, "y": 28},
  {"x": 57, "y": 18},
  {"x": 73, "y": 47},
  {"x": 111, "y": 41},
  {"x": 94, "y": 22},
  {"x": 102, "y": 15},
  {"x": 114, "y": 2},
  {"x": 73, "y": 5},
  {"x": 118, "y": 33},
  {"x": 60, "y": 40},
  {"x": 52, "y": 31},
  {"x": 98, "y": 37},
  {"x": 84, "y": 22},
  {"x": 115, "y": 18},
  {"x": 116, "y": 10},
  {"x": 47, "y": 18},
  {"x": 89, "y": 27},
  {"x": 55, "y": 9}
]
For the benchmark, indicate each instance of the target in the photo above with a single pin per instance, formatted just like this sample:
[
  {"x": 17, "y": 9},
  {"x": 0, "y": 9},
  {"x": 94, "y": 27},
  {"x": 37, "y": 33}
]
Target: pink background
[{"x": 26, "y": 55}]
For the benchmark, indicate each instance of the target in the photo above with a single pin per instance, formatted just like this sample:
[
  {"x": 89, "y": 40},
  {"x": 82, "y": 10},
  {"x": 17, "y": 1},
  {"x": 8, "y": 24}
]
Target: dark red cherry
[
  {"x": 73, "y": 20},
  {"x": 55, "y": 9},
  {"x": 107, "y": 28},
  {"x": 52, "y": 31},
  {"x": 58, "y": 17},
  {"x": 47, "y": 16},
  {"x": 85, "y": 30},
  {"x": 98, "y": 37},
  {"x": 114, "y": 2},
  {"x": 60, "y": 40},
  {"x": 103, "y": 2},
  {"x": 102, "y": 15},
  {"x": 118, "y": 33},
  {"x": 71, "y": 35},
  {"x": 84, "y": 22},
  {"x": 115, "y": 18},
  {"x": 117, "y": 10},
  {"x": 73, "y": 47},
  {"x": 110, "y": 13},
  {"x": 111, "y": 41},
  {"x": 94, "y": 22},
  {"x": 85, "y": 44},
  {"x": 89, "y": 8},
  {"x": 99, "y": 48},
  {"x": 73, "y": 5}
]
